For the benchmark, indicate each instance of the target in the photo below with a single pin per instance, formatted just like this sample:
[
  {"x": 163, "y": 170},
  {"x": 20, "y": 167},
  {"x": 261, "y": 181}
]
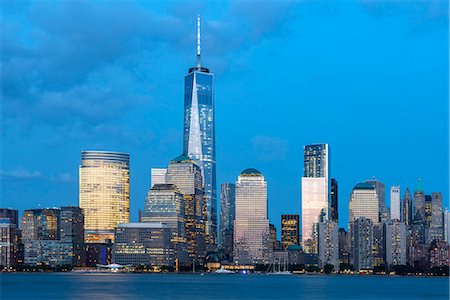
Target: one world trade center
[{"x": 199, "y": 135}]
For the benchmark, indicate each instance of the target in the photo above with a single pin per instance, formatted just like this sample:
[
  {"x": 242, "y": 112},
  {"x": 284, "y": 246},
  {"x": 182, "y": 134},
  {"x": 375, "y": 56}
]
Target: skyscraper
[
  {"x": 419, "y": 202},
  {"x": 71, "y": 225},
  {"x": 199, "y": 135},
  {"x": 315, "y": 192},
  {"x": 364, "y": 203},
  {"x": 104, "y": 193},
  {"x": 436, "y": 231},
  {"x": 362, "y": 245},
  {"x": 165, "y": 204},
  {"x": 395, "y": 203},
  {"x": 9, "y": 242},
  {"x": 186, "y": 175},
  {"x": 251, "y": 225},
  {"x": 334, "y": 200},
  {"x": 328, "y": 244},
  {"x": 290, "y": 233},
  {"x": 381, "y": 193},
  {"x": 227, "y": 215},
  {"x": 395, "y": 243},
  {"x": 407, "y": 208}
]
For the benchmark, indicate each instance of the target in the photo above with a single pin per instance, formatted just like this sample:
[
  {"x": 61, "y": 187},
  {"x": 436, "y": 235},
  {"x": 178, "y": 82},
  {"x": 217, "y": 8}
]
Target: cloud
[
  {"x": 269, "y": 148},
  {"x": 84, "y": 63},
  {"x": 421, "y": 14},
  {"x": 21, "y": 174}
]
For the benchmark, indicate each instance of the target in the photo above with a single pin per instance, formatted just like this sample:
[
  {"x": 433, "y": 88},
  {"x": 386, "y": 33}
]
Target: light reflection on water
[{"x": 188, "y": 286}]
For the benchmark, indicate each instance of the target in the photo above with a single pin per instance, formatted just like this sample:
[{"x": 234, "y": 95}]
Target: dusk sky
[{"x": 369, "y": 78}]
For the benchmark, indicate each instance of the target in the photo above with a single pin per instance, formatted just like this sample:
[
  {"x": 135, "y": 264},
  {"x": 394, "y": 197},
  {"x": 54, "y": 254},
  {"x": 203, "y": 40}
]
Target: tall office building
[
  {"x": 165, "y": 204},
  {"x": 290, "y": 233},
  {"x": 435, "y": 216},
  {"x": 186, "y": 175},
  {"x": 419, "y": 202},
  {"x": 362, "y": 243},
  {"x": 53, "y": 236},
  {"x": 364, "y": 203},
  {"x": 344, "y": 246},
  {"x": 71, "y": 226},
  {"x": 199, "y": 135},
  {"x": 334, "y": 200},
  {"x": 328, "y": 244},
  {"x": 9, "y": 238},
  {"x": 227, "y": 215},
  {"x": 381, "y": 192},
  {"x": 251, "y": 225},
  {"x": 157, "y": 176},
  {"x": 395, "y": 243},
  {"x": 407, "y": 208},
  {"x": 395, "y": 203},
  {"x": 143, "y": 244},
  {"x": 273, "y": 237},
  {"x": 104, "y": 193},
  {"x": 315, "y": 192}
]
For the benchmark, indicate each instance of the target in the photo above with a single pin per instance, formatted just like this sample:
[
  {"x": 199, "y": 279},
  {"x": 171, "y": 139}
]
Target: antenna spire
[{"x": 198, "y": 43}]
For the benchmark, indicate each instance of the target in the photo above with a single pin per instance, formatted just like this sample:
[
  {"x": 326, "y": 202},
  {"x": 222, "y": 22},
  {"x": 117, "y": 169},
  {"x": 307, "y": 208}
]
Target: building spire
[
  {"x": 198, "y": 43},
  {"x": 419, "y": 185}
]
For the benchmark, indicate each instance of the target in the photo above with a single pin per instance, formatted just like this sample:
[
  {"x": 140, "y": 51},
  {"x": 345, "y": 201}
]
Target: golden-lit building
[
  {"x": 104, "y": 193},
  {"x": 290, "y": 234}
]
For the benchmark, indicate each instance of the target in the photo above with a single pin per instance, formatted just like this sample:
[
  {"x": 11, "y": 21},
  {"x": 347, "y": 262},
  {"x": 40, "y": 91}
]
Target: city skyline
[{"x": 278, "y": 157}]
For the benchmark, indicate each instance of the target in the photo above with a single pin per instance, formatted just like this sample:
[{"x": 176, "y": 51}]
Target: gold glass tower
[{"x": 104, "y": 193}]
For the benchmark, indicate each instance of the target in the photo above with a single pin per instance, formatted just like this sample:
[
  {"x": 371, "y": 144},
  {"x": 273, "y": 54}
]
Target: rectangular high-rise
[
  {"x": 251, "y": 225},
  {"x": 315, "y": 191},
  {"x": 104, "y": 193},
  {"x": 185, "y": 174},
  {"x": 227, "y": 215},
  {"x": 395, "y": 203},
  {"x": 199, "y": 135},
  {"x": 290, "y": 233},
  {"x": 334, "y": 200}
]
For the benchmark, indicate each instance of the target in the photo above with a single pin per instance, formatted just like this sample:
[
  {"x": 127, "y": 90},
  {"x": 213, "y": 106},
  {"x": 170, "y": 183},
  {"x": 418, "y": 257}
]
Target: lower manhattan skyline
[{"x": 287, "y": 75}]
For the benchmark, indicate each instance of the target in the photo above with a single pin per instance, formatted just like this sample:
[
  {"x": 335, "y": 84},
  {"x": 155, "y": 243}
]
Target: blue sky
[{"x": 368, "y": 77}]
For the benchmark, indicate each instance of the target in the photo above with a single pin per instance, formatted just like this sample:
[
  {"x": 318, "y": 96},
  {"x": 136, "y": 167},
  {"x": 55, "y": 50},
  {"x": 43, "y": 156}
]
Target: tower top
[{"x": 198, "y": 43}]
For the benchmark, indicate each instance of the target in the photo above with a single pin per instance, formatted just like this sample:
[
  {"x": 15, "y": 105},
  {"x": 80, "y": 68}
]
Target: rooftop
[
  {"x": 251, "y": 172},
  {"x": 364, "y": 186},
  {"x": 181, "y": 158}
]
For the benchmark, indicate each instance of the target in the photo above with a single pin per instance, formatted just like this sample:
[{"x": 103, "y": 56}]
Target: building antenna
[{"x": 198, "y": 43}]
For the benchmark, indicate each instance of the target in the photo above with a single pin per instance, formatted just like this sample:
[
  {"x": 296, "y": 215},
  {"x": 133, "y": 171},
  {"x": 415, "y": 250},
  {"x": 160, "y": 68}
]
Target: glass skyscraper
[
  {"x": 251, "y": 225},
  {"x": 227, "y": 215},
  {"x": 104, "y": 192},
  {"x": 315, "y": 192},
  {"x": 199, "y": 135}
]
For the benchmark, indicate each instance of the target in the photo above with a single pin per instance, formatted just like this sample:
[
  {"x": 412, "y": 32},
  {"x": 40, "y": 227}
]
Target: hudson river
[{"x": 189, "y": 286}]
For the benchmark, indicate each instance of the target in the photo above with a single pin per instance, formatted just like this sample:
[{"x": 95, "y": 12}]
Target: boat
[{"x": 223, "y": 271}]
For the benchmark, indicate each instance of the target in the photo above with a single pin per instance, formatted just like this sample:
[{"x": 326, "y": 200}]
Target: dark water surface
[{"x": 188, "y": 286}]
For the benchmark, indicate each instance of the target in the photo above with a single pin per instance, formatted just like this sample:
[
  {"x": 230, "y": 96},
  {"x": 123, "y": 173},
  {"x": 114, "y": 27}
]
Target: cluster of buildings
[{"x": 178, "y": 227}]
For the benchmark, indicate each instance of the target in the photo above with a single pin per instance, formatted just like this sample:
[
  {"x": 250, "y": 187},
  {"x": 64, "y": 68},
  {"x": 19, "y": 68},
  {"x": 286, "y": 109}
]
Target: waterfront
[{"x": 189, "y": 286}]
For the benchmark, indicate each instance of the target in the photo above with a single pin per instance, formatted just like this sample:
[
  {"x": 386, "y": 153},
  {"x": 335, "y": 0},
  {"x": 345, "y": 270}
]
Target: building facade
[
  {"x": 395, "y": 203},
  {"x": 364, "y": 202},
  {"x": 104, "y": 187},
  {"x": 143, "y": 244},
  {"x": 334, "y": 200},
  {"x": 199, "y": 135},
  {"x": 362, "y": 231},
  {"x": 328, "y": 244},
  {"x": 227, "y": 216},
  {"x": 165, "y": 204},
  {"x": 9, "y": 238},
  {"x": 381, "y": 193},
  {"x": 395, "y": 243},
  {"x": 315, "y": 192},
  {"x": 290, "y": 233},
  {"x": 186, "y": 175},
  {"x": 251, "y": 225},
  {"x": 157, "y": 176},
  {"x": 407, "y": 208}
]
